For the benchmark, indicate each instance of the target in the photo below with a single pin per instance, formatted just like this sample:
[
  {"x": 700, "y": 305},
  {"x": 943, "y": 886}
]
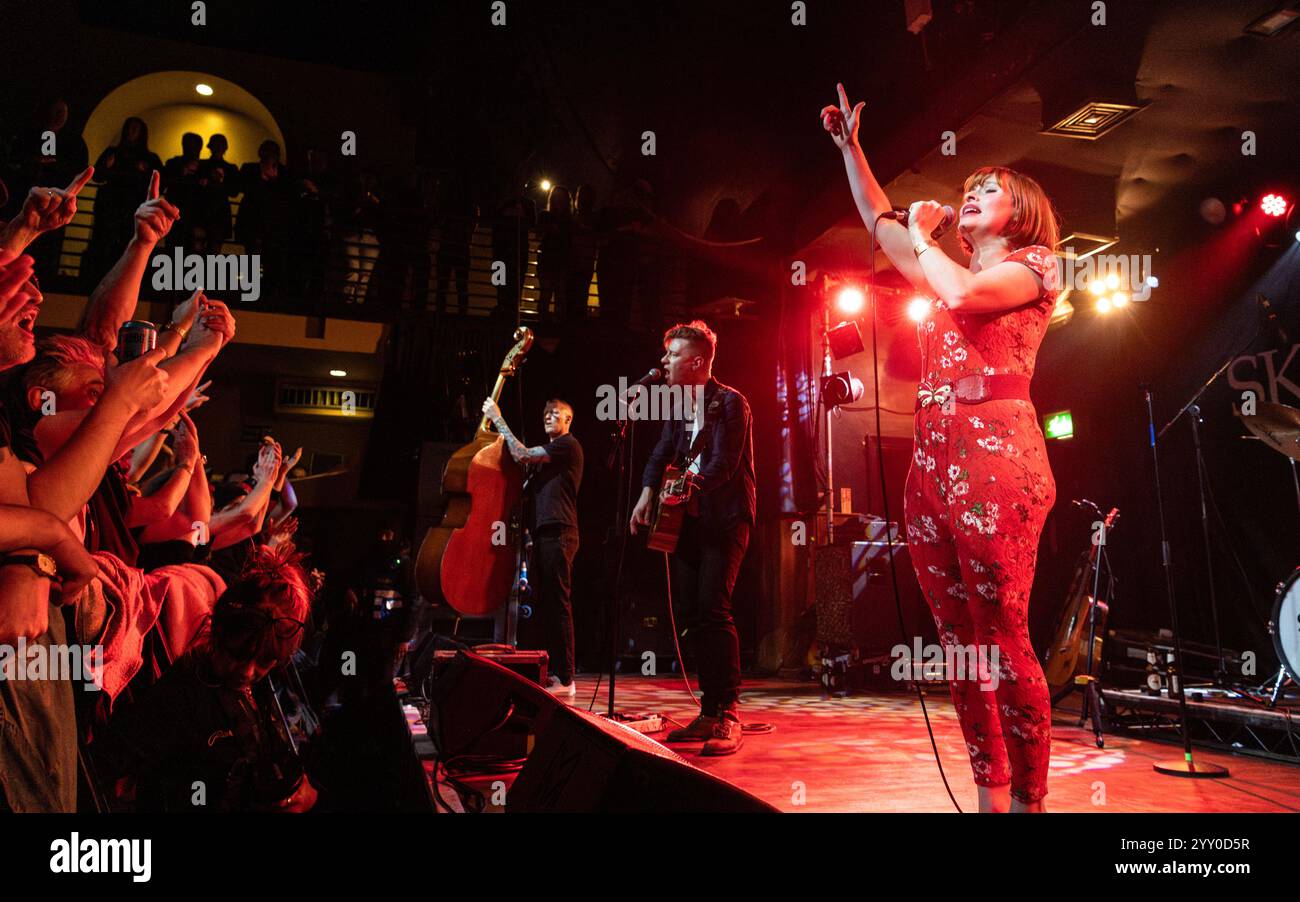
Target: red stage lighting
[
  {"x": 850, "y": 300},
  {"x": 1274, "y": 204}
]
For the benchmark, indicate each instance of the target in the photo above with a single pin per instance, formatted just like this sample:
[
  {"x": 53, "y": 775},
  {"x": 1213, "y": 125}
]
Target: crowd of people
[
  {"x": 325, "y": 228},
  {"x": 116, "y": 538}
]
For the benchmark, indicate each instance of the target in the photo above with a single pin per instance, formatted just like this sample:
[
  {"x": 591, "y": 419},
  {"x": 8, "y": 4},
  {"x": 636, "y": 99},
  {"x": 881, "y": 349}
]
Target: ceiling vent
[{"x": 1092, "y": 120}]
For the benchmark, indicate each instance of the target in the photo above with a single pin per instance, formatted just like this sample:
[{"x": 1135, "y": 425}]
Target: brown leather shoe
[
  {"x": 727, "y": 736},
  {"x": 699, "y": 729}
]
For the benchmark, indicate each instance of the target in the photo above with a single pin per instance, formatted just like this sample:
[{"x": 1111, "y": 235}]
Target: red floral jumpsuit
[{"x": 977, "y": 494}]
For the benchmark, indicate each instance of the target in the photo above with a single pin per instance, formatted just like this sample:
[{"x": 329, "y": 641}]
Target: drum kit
[{"x": 1278, "y": 427}]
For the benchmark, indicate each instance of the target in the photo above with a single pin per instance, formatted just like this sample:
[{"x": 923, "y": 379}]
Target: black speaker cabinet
[{"x": 585, "y": 763}]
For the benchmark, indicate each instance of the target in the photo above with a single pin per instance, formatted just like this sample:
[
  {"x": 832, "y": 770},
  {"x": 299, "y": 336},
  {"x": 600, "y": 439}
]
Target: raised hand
[
  {"x": 52, "y": 208},
  {"x": 155, "y": 217},
  {"x": 268, "y": 460},
  {"x": 197, "y": 399},
  {"x": 841, "y": 121},
  {"x": 216, "y": 323},
  {"x": 139, "y": 382},
  {"x": 187, "y": 443},
  {"x": 15, "y": 273}
]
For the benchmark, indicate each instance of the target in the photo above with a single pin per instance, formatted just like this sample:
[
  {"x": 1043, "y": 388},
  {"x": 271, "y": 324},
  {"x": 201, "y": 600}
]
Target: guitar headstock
[{"x": 523, "y": 338}]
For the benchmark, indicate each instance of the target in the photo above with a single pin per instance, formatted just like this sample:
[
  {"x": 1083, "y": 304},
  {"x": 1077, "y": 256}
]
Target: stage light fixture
[
  {"x": 1297, "y": 236},
  {"x": 918, "y": 309},
  {"x": 845, "y": 340},
  {"x": 1112, "y": 281},
  {"x": 1274, "y": 204},
  {"x": 1103, "y": 305},
  {"x": 850, "y": 300},
  {"x": 840, "y": 388},
  {"x": 546, "y": 184},
  {"x": 1153, "y": 281},
  {"x": 339, "y": 373},
  {"x": 205, "y": 90},
  {"x": 1119, "y": 299},
  {"x": 1097, "y": 287}
]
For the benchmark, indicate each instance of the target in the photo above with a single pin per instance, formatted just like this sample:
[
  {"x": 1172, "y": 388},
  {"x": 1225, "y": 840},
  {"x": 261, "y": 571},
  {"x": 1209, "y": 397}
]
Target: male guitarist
[
  {"x": 715, "y": 438},
  {"x": 553, "y": 485}
]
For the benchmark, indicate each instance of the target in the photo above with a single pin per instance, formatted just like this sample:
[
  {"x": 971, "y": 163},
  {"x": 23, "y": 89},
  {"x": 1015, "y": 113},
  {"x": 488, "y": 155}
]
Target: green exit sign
[{"x": 1058, "y": 425}]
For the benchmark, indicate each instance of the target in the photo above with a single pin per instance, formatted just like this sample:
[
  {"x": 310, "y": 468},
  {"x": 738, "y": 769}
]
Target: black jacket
[{"x": 726, "y": 477}]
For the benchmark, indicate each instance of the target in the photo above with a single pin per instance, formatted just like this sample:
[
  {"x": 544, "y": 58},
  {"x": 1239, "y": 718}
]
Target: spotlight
[
  {"x": 338, "y": 373},
  {"x": 1103, "y": 305},
  {"x": 1118, "y": 299},
  {"x": 546, "y": 184},
  {"x": 1297, "y": 236},
  {"x": 840, "y": 388},
  {"x": 205, "y": 90},
  {"x": 845, "y": 340},
  {"x": 1274, "y": 204},
  {"x": 918, "y": 309},
  {"x": 850, "y": 300},
  {"x": 1153, "y": 281},
  {"x": 1097, "y": 286},
  {"x": 1112, "y": 281}
]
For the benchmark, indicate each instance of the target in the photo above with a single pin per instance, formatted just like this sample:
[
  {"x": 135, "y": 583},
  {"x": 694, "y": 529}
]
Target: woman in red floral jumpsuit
[{"x": 980, "y": 487}]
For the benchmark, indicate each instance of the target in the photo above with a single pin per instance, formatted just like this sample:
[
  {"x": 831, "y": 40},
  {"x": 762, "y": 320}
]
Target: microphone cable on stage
[
  {"x": 681, "y": 662},
  {"x": 884, "y": 497}
]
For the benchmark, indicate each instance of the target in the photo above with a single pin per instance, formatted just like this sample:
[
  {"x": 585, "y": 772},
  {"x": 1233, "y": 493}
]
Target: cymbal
[{"x": 1277, "y": 425}]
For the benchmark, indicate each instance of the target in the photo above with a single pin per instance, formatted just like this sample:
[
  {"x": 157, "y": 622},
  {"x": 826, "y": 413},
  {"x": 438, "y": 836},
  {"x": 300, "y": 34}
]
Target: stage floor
[{"x": 871, "y": 753}]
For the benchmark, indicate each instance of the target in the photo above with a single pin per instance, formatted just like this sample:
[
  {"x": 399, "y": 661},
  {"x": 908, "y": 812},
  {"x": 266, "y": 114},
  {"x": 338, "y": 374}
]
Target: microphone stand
[
  {"x": 1187, "y": 767},
  {"x": 1193, "y": 408},
  {"x": 619, "y": 460}
]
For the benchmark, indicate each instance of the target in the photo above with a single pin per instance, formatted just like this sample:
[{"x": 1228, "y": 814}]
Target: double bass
[{"x": 464, "y": 560}]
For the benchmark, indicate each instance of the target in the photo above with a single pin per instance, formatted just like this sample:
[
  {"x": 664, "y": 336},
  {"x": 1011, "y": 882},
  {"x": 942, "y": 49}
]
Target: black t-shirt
[{"x": 554, "y": 486}]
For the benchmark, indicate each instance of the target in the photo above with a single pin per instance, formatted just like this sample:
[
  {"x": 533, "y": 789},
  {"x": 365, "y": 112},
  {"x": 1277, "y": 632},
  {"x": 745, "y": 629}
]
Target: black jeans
[
  {"x": 554, "y": 547},
  {"x": 704, "y": 569}
]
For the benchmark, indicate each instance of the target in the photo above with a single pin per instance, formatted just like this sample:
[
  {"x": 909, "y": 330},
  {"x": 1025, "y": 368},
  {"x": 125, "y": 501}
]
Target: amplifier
[
  {"x": 855, "y": 596},
  {"x": 531, "y": 665}
]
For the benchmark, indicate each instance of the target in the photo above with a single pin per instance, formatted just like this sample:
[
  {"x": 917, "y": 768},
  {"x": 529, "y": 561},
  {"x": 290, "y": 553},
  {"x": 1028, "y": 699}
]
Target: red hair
[{"x": 1033, "y": 218}]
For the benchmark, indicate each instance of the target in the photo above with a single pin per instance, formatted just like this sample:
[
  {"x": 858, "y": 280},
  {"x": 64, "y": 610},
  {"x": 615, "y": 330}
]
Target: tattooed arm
[{"x": 534, "y": 455}]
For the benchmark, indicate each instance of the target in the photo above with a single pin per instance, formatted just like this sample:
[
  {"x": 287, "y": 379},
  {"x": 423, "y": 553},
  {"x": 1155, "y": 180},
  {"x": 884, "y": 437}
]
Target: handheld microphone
[{"x": 901, "y": 216}]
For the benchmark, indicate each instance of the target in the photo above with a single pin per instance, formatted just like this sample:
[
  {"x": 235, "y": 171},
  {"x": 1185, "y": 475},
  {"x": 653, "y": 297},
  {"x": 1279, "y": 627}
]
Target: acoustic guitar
[
  {"x": 672, "y": 503},
  {"x": 463, "y": 560},
  {"x": 1068, "y": 653}
]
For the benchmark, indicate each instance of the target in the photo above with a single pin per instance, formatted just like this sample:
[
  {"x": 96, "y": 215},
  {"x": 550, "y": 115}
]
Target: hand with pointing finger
[
  {"x": 841, "y": 121},
  {"x": 154, "y": 218},
  {"x": 47, "y": 209}
]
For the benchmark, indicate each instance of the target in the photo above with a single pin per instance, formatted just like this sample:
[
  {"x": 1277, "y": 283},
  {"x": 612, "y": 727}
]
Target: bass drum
[{"x": 1285, "y": 624}]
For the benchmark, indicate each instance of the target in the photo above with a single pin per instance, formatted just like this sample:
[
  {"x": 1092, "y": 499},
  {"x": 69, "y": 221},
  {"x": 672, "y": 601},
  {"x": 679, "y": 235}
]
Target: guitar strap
[{"x": 701, "y": 441}]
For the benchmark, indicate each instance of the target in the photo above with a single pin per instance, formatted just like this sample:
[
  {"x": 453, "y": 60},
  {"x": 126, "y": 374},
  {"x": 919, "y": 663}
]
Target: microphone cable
[{"x": 884, "y": 497}]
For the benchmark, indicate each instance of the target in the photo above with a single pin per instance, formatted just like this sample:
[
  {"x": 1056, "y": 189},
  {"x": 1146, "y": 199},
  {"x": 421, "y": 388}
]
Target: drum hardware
[{"x": 1284, "y": 627}]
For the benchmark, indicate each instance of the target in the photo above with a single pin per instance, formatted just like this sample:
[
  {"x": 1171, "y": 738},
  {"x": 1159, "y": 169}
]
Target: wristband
[
  {"x": 172, "y": 327},
  {"x": 921, "y": 247}
]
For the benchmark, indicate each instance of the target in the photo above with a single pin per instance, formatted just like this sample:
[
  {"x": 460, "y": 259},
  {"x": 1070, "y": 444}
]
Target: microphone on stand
[
  {"x": 902, "y": 214},
  {"x": 654, "y": 375}
]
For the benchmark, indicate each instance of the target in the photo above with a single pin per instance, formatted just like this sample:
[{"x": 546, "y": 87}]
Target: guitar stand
[{"x": 1091, "y": 705}]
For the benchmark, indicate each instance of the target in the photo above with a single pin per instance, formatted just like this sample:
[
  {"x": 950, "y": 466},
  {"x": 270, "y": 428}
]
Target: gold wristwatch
[{"x": 43, "y": 564}]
